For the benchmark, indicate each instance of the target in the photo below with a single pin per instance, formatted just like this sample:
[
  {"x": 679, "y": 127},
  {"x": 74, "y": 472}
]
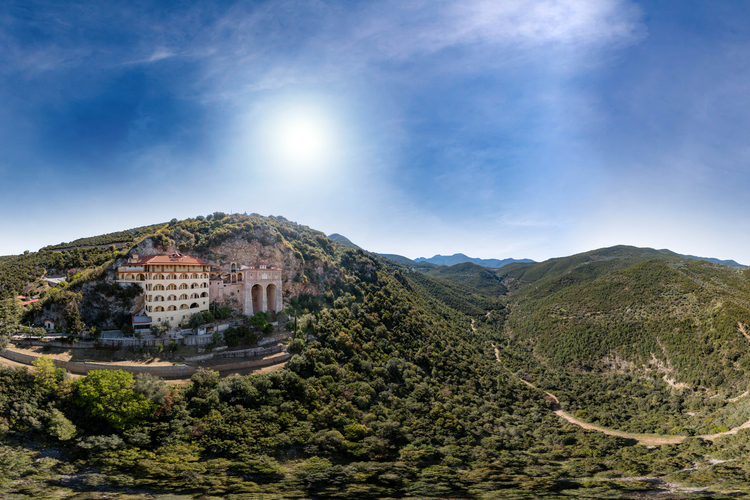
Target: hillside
[
  {"x": 472, "y": 276},
  {"x": 419, "y": 266},
  {"x": 638, "y": 305},
  {"x": 343, "y": 240},
  {"x": 406, "y": 384}
]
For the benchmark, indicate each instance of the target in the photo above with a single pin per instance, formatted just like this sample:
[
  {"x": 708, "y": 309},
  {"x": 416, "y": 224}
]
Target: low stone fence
[
  {"x": 244, "y": 353},
  {"x": 275, "y": 338},
  {"x": 164, "y": 371},
  {"x": 253, "y": 364},
  {"x": 197, "y": 339}
]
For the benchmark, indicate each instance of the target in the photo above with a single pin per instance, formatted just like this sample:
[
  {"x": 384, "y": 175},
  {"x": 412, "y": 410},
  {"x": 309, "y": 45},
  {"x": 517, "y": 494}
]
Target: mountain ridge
[{"x": 460, "y": 258}]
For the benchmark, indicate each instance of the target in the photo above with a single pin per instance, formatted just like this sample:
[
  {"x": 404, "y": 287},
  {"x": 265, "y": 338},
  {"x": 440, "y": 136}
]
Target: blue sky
[{"x": 519, "y": 128}]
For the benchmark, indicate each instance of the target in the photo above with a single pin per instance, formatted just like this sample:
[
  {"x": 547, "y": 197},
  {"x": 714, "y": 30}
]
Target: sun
[{"x": 301, "y": 139}]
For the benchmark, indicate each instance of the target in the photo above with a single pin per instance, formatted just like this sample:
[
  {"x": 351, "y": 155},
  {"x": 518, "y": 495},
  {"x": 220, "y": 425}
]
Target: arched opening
[
  {"x": 172, "y": 286},
  {"x": 184, "y": 306},
  {"x": 233, "y": 268},
  {"x": 257, "y": 292},
  {"x": 271, "y": 297},
  {"x": 172, "y": 308},
  {"x": 159, "y": 287},
  {"x": 159, "y": 298},
  {"x": 171, "y": 277},
  {"x": 239, "y": 277},
  {"x": 194, "y": 285},
  {"x": 159, "y": 277},
  {"x": 183, "y": 276},
  {"x": 141, "y": 277},
  {"x": 158, "y": 309},
  {"x": 183, "y": 286},
  {"x": 193, "y": 295},
  {"x": 194, "y": 305},
  {"x": 172, "y": 297},
  {"x": 183, "y": 296},
  {"x": 129, "y": 277},
  {"x": 194, "y": 276},
  {"x": 234, "y": 278},
  {"x": 204, "y": 285},
  {"x": 204, "y": 294}
]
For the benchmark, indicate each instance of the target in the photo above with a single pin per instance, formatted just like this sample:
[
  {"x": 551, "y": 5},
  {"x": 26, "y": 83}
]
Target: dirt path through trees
[{"x": 644, "y": 439}]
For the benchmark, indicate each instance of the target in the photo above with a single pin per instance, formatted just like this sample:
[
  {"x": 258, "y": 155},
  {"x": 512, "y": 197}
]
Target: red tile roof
[{"x": 169, "y": 259}]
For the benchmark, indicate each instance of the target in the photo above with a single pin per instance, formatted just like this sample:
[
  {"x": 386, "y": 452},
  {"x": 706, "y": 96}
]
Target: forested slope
[
  {"x": 394, "y": 390},
  {"x": 684, "y": 316}
]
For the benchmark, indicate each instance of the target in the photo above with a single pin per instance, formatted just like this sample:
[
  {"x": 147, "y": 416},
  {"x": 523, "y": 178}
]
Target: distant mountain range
[
  {"x": 425, "y": 264},
  {"x": 459, "y": 258}
]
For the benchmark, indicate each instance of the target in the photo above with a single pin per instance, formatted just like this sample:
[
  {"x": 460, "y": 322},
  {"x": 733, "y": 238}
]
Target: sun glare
[{"x": 302, "y": 139}]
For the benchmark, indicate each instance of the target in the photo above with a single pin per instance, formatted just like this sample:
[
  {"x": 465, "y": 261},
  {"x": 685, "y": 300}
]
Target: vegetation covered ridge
[{"x": 394, "y": 391}]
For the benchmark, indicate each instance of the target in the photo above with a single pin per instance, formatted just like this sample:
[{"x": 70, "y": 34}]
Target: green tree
[
  {"x": 95, "y": 332},
  {"x": 73, "y": 321},
  {"x": 109, "y": 395},
  {"x": 45, "y": 374},
  {"x": 10, "y": 314},
  {"x": 60, "y": 427}
]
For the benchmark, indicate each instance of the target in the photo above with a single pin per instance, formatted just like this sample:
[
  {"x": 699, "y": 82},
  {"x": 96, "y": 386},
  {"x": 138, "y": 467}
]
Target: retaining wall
[
  {"x": 244, "y": 353},
  {"x": 165, "y": 371}
]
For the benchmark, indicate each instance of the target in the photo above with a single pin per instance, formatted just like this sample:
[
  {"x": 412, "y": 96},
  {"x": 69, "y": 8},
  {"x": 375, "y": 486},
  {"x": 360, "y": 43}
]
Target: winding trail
[{"x": 644, "y": 439}]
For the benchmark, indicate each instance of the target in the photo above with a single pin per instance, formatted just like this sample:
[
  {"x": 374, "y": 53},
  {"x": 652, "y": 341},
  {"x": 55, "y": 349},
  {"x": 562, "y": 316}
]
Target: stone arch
[
  {"x": 172, "y": 297},
  {"x": 271, "y": 297},
  {"x": 239, "y": 277},
  {"x": 183, "y": 286},
  {"x": 183, "y": 296},
  {"x": 204, "y": 294},
  {"x": 234, "y": 278},
  {"x": 194, "y": 305},
  {"x": 193, "y": 295},
  {"x": 172, "y": 308},
  {"x": 257, "y": 293},
  {"x": 129, "y": 277},
  {"x": 184, "y": 306},
  {"x": 204, "y": 285},
  {"x": 194, "y": 276},
  {"x": 159, "y": 277},
  {"x": 171, "y": 277},
  {"x": 183, "y": 276},
  {"x": 194, "y": 285},
  {"x": 141, "y": 277},
  {"x": 158, "y": 309},
  {"x": 158, "y": 287},
  {"x": 171, "y": 286},
  {"x": 159, "y": 298}
]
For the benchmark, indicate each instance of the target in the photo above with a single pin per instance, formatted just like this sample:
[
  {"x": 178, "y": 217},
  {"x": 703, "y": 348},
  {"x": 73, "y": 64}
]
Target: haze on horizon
[{"x": 525, "y": 129}]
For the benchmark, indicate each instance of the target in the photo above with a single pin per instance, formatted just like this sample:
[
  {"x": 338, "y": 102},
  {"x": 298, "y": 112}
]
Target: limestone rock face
[
  {"x": 293, "y": 279},
  {"x": 297, "y": 279}
]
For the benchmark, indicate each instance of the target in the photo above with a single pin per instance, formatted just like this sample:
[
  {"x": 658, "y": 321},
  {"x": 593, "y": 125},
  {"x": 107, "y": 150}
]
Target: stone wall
[
  {"x": 82, "y": 368},
  {"x": 164, "y": 371}
]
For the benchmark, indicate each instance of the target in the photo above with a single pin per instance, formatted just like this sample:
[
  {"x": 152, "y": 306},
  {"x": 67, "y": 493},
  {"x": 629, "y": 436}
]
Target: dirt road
[{"x": 644, "y": 439}]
